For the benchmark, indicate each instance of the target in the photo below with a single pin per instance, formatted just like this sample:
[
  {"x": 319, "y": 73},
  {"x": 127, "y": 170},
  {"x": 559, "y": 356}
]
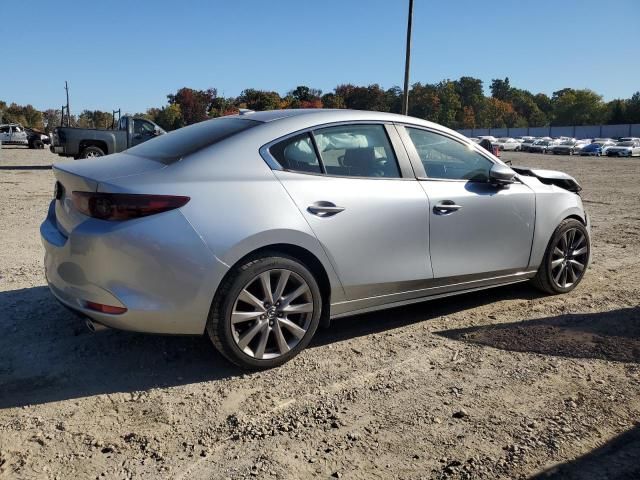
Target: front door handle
[
  {"x": 445, "y": 207},
  {"x": 324, "y": 209}
]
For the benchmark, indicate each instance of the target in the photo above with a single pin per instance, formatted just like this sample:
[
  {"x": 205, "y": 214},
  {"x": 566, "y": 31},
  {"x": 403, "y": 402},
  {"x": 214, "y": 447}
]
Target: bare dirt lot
[{"x": 504, "y": 383}]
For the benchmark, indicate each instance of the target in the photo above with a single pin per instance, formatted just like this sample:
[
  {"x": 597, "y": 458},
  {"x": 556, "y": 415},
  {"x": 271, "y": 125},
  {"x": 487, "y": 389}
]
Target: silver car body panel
[{"x": 385, "y": 249}]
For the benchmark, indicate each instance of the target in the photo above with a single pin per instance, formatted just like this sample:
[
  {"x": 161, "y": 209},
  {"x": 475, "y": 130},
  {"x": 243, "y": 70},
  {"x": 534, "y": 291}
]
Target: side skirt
[{"x": 354, "y": 307}]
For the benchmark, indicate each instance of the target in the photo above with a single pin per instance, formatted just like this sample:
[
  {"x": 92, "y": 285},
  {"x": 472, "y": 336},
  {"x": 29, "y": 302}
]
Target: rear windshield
[{"x": 173, "y": 146}]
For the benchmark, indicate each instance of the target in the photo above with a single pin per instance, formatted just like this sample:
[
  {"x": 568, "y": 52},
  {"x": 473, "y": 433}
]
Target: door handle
[
  {"x": 445, "y": 207},
  {"x": 324, "y": 209}
]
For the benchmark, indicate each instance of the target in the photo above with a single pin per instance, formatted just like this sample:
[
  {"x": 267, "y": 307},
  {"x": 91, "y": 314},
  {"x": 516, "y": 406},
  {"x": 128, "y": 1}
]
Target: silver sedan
[{"x": 257, "y": 228}]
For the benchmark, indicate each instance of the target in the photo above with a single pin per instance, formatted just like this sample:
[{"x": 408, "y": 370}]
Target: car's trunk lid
[{"x": 86, "y": 176}]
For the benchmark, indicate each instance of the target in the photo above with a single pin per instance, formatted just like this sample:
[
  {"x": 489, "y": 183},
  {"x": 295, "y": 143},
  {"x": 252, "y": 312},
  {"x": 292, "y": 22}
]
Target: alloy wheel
[
  {"x": 569, "y": 258},
  {"x": 271, "y": 314}
]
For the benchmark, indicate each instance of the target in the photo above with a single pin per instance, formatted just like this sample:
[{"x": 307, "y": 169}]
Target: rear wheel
[
  {"x": 565, "y": 259},
  {"x": 265, "y": 312},
  {"x": 91, "y": 152}
]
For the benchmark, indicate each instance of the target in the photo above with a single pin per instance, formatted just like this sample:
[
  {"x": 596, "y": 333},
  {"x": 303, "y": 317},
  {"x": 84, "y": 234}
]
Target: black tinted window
[
  {"x": 173, "y": 146},
  {"x": 297, "y": 154},
  {"x": 443, "y": 157}
]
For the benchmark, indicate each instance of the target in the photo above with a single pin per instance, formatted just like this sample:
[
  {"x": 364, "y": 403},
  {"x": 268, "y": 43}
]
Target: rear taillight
[{"x": 124, "y": 206}]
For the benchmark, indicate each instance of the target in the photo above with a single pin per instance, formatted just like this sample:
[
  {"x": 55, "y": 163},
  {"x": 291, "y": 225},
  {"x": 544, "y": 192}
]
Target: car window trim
[
  {"x": 402, "y": 158},
  {"x": 416, "y": 162}
]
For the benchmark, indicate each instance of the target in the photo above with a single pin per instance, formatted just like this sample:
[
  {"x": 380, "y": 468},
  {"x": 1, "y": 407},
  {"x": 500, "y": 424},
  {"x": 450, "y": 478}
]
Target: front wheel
[
  {"x": 565, "y": 259},
  {"x": 265, "y": 312}
]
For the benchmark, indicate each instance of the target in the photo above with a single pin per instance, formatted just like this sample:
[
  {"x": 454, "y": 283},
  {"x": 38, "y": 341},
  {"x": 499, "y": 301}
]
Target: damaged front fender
[{"x": 551, "y": 177}]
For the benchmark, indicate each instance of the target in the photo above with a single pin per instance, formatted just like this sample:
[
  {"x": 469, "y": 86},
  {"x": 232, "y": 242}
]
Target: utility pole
[
  {"x": 66, "y": 87},
  {"x": 407, "y": 62}
]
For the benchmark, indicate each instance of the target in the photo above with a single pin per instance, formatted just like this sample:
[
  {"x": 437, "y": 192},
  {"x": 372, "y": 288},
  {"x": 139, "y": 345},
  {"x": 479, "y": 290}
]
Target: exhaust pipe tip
[{"x": 95, "y": 326}]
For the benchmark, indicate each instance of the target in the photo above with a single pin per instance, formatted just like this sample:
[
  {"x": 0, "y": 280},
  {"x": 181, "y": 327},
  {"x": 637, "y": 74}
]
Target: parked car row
[{"x": 621, "y": 147}]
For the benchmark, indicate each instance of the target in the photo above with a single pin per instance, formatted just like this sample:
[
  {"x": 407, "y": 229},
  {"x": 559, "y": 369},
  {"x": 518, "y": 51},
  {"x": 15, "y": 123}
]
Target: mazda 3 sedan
[{"x": 257, "y": 228}]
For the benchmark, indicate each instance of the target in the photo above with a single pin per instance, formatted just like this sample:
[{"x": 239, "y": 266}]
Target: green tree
[
  {"x": 471, "y": 95},
  {"x": 259, "y": 99},
  {"x": 394, "y": 99},
  {"x": 633, "y": 108},
  {"x": 617, "y": 112},
  {"x": 94, "y": 119},
  {"x": 169, "y": 117},
  {"x": 450, "y": 104},
  {"x": 500, "y": 89},
  {"x": 332, "y": 100},
  {"x": 424, "y": 102},
  {"x": 578, "y": 107},
  {"x": 363, "y": 98}
]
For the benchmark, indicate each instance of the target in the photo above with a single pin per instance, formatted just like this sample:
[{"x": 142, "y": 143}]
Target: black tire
[
  {"x": 544, "y": 279},
  {"x": 219, "y": 327},
  {"x": 91, "y": 152},
  {"x": 38, "y": 144}
]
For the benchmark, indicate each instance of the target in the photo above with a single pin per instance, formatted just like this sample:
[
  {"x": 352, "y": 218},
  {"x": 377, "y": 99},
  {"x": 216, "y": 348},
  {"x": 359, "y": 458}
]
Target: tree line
[{"x": 454, "y": 103}]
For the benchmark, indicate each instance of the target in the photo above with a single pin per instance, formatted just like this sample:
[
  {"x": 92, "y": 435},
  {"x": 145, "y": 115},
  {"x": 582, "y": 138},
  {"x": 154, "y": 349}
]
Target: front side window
[
  {"x": 357, "y": 151},
  {"x": 296, "y": 154},
  {"x": 143, "y": 127},
  {"x": 445, "y": 158}
]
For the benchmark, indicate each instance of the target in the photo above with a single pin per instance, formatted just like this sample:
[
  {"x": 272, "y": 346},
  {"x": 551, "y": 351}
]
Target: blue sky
[{"x": 131, "y": 54}]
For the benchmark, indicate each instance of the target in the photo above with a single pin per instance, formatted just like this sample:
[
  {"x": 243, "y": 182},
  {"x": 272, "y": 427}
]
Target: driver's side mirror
[{"x": 501, "y": 175}]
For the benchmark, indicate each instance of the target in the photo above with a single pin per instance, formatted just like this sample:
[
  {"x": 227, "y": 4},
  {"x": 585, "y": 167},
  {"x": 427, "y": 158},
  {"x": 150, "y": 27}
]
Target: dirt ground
[{"x": 504, "y": 383}]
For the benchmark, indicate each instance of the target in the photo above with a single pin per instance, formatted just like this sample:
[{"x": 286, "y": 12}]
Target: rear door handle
[
  {"x": 445, "y": 207},
  {"x": 324, "y": 209}
]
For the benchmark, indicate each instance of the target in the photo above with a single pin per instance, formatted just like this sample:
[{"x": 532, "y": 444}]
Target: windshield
[
  {"x": 568, "y": 142},
  {"x": 503, "y": 140},
  {"x": 174, "y": 145},
  {"x": 625, "y": 144}
]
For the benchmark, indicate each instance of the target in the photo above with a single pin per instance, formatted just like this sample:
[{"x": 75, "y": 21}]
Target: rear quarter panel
[{"x": 237, "y": 204}]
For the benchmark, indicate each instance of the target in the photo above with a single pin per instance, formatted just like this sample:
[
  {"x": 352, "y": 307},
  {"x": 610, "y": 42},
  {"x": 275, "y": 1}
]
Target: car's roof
[
  {"x": 297, "y": 119},
  {"x": 322, "y": 115}
]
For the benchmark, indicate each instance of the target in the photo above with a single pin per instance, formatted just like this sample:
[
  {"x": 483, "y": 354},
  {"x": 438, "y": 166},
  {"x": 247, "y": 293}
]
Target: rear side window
[
  {"x": 445, "y": 158},
  {"x": 297, "y": 154},
  {"x": 357, "y": 151},
  {"x": 173, "y": 146}
]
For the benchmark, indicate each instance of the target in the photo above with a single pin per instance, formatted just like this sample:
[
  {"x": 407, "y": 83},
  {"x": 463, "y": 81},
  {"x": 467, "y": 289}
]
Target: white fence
[{"x": 583, "y": 131}]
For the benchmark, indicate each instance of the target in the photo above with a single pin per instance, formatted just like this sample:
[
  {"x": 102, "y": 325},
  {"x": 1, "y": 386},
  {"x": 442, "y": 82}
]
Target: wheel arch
[
  {"x": 546, "y": 226},
  {"x": 93, "y": 143},
  {"x": 304, "y": 256}
]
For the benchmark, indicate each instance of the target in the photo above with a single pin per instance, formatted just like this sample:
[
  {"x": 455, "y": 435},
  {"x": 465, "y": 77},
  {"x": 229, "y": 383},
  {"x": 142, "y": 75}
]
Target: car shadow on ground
[
  {"x": 616, "y": 460},
  {"x": 613, "y": 335},
  {"x": 47, "y": 354}
]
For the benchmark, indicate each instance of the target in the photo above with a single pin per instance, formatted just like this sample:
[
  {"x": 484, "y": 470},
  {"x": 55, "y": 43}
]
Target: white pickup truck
[{"x": 13, "y": 134}]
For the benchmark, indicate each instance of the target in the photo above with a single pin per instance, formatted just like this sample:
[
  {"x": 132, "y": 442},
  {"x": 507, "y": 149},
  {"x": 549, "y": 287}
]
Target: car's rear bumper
[{"x": 156, "y": 267}]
